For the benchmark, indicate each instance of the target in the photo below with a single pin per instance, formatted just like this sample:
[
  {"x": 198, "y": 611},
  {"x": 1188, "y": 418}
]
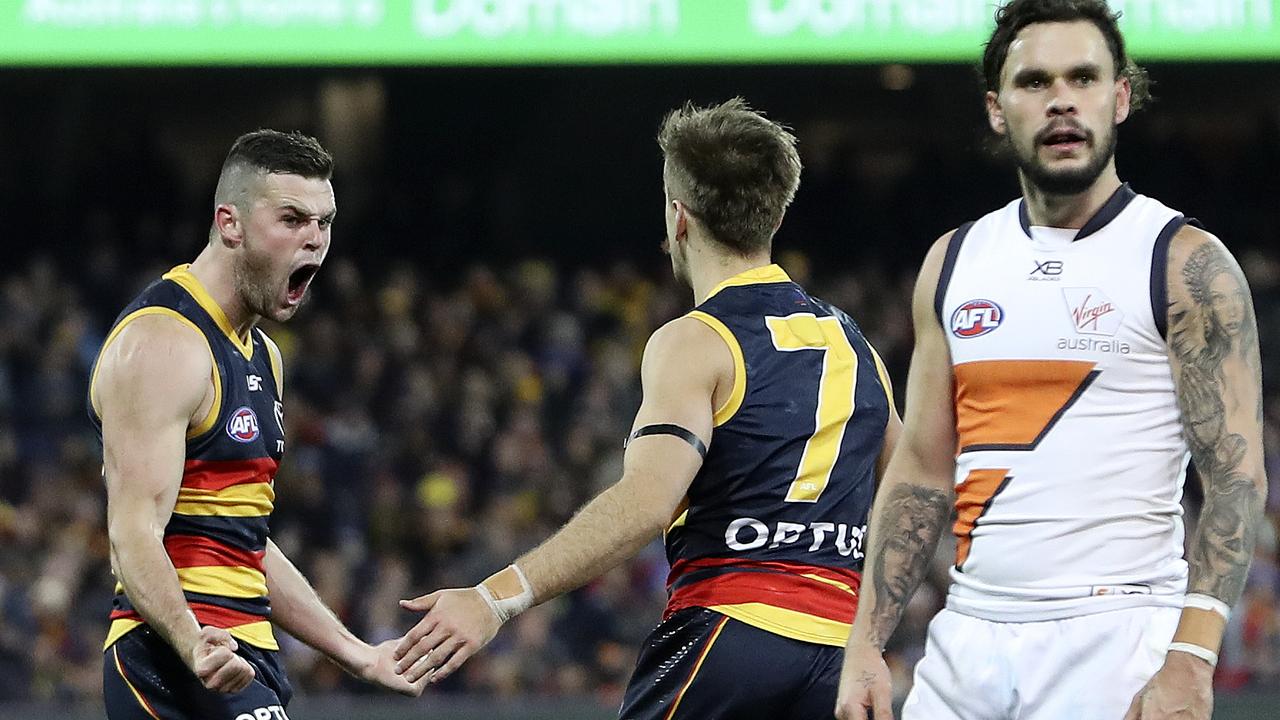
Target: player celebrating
[
  {"x": 186, "y": 395},
  {"x": 756, "y": 449}
]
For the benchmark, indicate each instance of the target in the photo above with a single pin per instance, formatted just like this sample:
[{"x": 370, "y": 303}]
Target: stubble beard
[
  {"x": 254, "y": 283},
  {"x": 1063, "y": 182}
]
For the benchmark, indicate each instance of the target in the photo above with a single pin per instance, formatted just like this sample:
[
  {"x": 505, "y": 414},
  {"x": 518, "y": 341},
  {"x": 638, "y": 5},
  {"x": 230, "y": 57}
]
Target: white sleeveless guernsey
[{"x": 1071, "y": 459}]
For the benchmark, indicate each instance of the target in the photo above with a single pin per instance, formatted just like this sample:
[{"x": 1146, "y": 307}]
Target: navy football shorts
[
  {"x": 701, "y": 664},
  {"x": 144, "y": 679}
]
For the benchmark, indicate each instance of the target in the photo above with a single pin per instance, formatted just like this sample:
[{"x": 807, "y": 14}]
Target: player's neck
[
  {"x": 1069, "y": 211},
  {"x": 218, "y": 278},
  {"x": 707, "y": 270}
]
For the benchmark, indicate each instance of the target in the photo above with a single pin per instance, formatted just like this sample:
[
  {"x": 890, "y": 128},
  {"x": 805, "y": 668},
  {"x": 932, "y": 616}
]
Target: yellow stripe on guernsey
[
  {"x": 884, "y": 378},
  {"x": 223, "y": 580},
  {"x": 183, "y": 277},
  {"x": 277, "y": 365},
  {"x": 678, "y": 522},
  {"x": 118, "y": 629},
  {"x": 788, "y": 623},
  {"x": 755, "y": 276},
  {"x": 248, "y": 500},
  {"x": 730, "y": 407},
  {"x": 258, "y": 634},
  {"x": 206, "y": 423}
]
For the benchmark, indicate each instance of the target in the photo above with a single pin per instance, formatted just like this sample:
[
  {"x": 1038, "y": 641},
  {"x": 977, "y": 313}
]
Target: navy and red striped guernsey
[
  {"x": 217, "y": 534},
  {"x": 772, "y": 530}
]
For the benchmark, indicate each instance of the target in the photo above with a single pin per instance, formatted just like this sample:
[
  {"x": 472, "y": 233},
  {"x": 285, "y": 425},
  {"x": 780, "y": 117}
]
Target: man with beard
[
  {"x": 756, "y": 449},
  {"x": 186, "y": 396},
  {"x": 1072, "y": 348}
]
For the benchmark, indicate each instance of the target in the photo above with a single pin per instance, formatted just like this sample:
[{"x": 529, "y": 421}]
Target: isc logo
[
  {"x": 976, "y": 317},
  {"x": 243, "y": 425}
]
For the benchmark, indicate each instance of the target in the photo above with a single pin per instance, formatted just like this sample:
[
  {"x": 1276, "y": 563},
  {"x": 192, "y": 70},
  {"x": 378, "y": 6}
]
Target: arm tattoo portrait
[
  {"x": 1213, "y": 335},
  {"x": 907, "y": 535}
]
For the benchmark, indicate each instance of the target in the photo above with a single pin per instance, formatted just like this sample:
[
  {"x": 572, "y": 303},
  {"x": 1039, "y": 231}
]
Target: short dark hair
[
  {"x": 291, "y": 153},
  {"x": 1015, "y": 15},
  {"x": 736, "y": 170}
]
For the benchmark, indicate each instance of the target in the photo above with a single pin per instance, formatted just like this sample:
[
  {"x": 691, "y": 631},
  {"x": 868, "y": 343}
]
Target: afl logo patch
[
  {"x": 976, "y": 317},
  {"x": 243, "y": 425}
]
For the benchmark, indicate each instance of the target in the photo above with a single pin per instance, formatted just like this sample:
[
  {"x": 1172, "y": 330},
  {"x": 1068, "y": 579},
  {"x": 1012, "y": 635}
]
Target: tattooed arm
[
  {"x": 1213, "y": 352},
  {"x": 912, "y": 507}
]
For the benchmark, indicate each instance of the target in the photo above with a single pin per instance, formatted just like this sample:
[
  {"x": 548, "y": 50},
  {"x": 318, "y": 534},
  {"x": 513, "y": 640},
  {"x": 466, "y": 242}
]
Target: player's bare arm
[
  {"x": 297, "y": 608},
  {"x": 1213, "y": 353},
  {"x": 911, "y": 510},
  {"x": 153, "y": 383},
  {"x": 684, "y": 364},
  {"x": 892, "y": 434}
]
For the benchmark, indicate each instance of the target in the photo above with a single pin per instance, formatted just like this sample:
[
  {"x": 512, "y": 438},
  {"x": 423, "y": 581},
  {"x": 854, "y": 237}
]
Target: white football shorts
[{"x": 1080, "y": 668}]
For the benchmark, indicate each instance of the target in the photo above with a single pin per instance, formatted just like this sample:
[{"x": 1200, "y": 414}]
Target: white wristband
[
  {"x": 1205, "y": 654},
  {"x": 510, "y": 604},
  {"x": 1207, "y": 602}
]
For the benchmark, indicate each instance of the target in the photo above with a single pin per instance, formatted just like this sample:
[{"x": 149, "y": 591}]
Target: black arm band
[{"x": 669, "y": 429}]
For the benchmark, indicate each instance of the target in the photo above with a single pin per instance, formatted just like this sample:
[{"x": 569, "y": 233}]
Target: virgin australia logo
[{"x": 1092, "y": 312}]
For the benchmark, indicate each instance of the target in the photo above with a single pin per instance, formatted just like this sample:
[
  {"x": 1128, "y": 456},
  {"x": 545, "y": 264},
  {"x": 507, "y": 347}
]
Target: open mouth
[
  {"x": 299, "y": 279},
  {"x": 1065, "y": 138}
]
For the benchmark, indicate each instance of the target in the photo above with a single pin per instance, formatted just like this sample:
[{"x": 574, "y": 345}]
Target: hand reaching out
[
  {"x": 379, "y": 668},
  {"x": 457, "y": 624}
]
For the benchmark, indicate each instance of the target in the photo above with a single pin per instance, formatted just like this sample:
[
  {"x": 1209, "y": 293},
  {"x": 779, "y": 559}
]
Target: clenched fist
[{"x": 214, "y": 660}]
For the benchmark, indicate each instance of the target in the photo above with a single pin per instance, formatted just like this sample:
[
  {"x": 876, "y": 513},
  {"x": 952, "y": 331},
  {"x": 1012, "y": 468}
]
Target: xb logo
[{"x": 1048, "y": 268}]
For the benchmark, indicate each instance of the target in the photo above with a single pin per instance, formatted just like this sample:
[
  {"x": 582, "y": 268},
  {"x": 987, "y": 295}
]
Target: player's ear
[
  {"x": 1124, "y": 95},
  {"x": 682, "y": 221},
  {"x": 226, "y": 220},
  {"x": 995, "y": 114}
]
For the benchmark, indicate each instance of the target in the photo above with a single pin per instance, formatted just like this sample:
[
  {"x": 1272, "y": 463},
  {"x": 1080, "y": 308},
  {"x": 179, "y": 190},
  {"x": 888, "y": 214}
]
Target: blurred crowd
[{"x": 439, "y": 425}]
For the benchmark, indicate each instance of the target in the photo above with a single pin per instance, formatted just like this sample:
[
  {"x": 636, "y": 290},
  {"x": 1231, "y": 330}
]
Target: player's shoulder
[
  {"x": 161, "y": 343},
  {"x": 160, "y": 331},
  {"x": 685, "y": 335},
  {"x": 936, "y": 256},
  {"x": 690, "y": 345},
  {"x": 1190, "y": 239},
  {"x": 1196, "y": 257}
]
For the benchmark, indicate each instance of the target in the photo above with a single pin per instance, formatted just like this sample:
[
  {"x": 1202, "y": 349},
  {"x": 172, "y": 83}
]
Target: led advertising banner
[{"x": 524, "y": 32}]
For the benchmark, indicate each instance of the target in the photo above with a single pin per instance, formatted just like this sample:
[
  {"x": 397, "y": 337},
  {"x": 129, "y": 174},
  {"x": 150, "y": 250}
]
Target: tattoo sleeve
[
  {"x": 904, "y": 537},
  {"x": 1214, "y": 350}
]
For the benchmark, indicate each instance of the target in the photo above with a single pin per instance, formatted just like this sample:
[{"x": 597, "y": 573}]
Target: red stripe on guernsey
[
  {"x": 193, "y": 551},
  {"x": 222, "y": 617},
  {"x": 217, "y": 475},
  {"x": 852, "y": 578},
  {"x": 779, "y": 584},
  {"x": 205, "y": 613}
]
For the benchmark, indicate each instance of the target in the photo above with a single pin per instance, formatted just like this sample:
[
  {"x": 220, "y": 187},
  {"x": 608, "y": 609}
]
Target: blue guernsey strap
[{"x": 669, "y": 429}]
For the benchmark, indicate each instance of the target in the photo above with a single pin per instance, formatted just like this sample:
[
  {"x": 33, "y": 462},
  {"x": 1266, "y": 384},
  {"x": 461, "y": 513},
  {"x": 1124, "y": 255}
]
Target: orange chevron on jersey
[
  {"x": 973, "y": 497},
  {"x": 1013, "y": 404}
]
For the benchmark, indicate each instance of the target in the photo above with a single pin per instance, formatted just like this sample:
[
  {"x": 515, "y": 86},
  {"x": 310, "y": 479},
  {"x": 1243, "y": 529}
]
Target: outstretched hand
[
  {"x": 378, "y": 666},
  {"x": 456, "y": 625}
]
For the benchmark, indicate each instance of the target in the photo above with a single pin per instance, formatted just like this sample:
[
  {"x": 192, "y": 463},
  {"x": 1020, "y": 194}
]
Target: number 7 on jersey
[{"x": 836, "y": 385}]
